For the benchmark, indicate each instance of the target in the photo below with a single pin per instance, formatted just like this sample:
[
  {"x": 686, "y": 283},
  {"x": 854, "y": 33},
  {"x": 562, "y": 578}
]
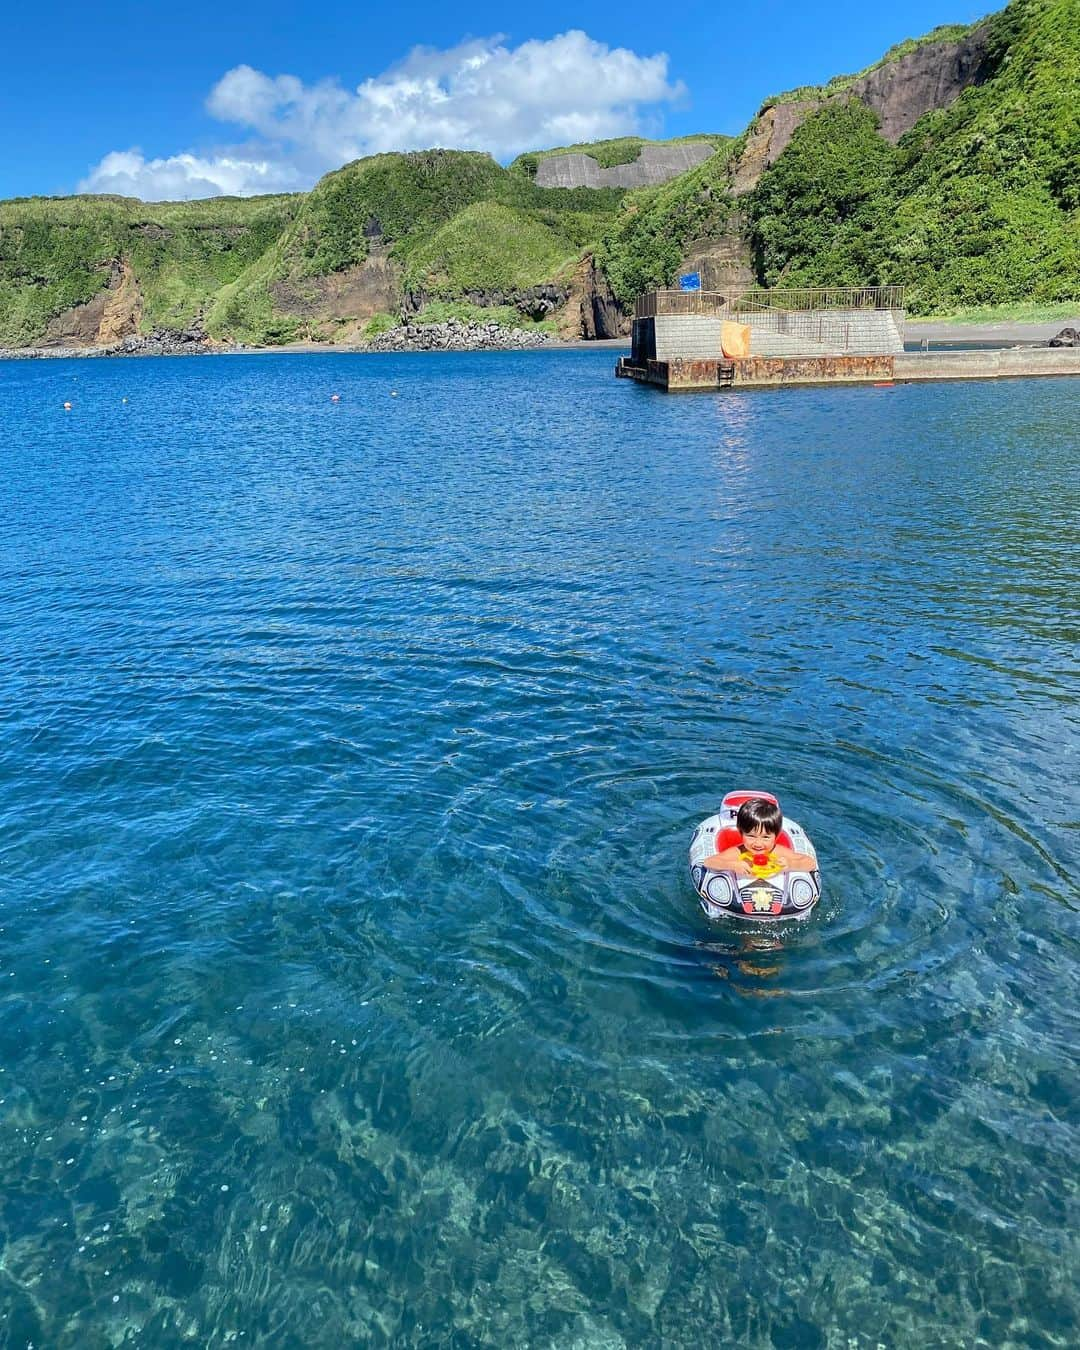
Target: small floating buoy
[
  {"x": 393, "y": 393},
  {"x": 67, "y": 406},
  {"x": 335, "y": 398},
  {"x": 123, "y": 400}
]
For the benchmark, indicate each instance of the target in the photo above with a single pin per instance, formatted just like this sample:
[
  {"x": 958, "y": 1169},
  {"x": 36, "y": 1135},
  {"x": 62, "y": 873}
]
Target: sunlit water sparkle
[{"x": 352, "y": 986}]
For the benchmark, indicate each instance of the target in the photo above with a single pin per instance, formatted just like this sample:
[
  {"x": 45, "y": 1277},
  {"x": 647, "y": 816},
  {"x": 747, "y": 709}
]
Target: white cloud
[
  {"x": 180, "y": 176},
  {"x": 479, "y": 95}
]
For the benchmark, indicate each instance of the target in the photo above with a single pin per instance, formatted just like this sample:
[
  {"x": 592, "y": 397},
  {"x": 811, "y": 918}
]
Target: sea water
[{"x": 353, "y": 990}]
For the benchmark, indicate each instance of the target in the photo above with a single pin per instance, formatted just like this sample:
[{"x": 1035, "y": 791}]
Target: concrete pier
[
  {"x": 814, "y": 335},
  {"x": 687, "y": 373}
]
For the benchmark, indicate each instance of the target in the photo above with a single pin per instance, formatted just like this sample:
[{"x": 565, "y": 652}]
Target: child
[{"x": 757, "y": 854}]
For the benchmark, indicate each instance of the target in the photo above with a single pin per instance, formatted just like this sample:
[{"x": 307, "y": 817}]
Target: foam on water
[{"x": 352, "y": 986}]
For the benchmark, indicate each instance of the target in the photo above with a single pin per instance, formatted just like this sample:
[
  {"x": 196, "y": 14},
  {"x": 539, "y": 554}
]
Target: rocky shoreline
[
  {"x": 453, "y": 335},
  {"x": 159, "y": 342}
]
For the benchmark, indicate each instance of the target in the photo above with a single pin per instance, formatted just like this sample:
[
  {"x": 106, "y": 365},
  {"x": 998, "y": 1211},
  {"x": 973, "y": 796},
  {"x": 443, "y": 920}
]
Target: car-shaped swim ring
[{"x": 770, "y": 892}]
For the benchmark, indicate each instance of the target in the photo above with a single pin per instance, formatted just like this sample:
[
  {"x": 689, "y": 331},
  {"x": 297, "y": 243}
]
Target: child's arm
[
  {"x": 731, "y": 860},
  {"x": 795, "y": 862}
]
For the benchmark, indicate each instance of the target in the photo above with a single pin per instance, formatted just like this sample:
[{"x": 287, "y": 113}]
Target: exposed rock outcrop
[
  {"x": 931, "y": 76},
  {"x": 535, "y": 302},
  {"x": 123, "y": 308},
  {"x": 354, "y": 294},
  {"x": 723, "y": 262},
  {"x": 769, "y": 137},
  {"x": 455, "y": 336},
  {"x": 899, "y": 92},
  {"x": 1068, "y": 337},
  {"x": 113, "y": 314},
  {"x": 591, "y": 309}
]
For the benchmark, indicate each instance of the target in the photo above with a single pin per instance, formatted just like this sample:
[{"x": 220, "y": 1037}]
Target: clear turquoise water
[{"x": 352, "y": 987}]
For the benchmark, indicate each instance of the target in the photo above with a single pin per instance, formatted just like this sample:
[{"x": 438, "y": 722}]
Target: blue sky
[{"x": 175, "y": 101}]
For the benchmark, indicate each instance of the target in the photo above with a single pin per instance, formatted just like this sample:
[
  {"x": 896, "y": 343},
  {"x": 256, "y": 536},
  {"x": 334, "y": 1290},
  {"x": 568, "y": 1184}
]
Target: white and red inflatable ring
[{"x": 783, "y": 895}]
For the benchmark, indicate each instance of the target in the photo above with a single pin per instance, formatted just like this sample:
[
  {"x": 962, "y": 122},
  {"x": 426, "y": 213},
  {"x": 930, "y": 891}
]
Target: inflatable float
[{"x": 770, "y": 892}]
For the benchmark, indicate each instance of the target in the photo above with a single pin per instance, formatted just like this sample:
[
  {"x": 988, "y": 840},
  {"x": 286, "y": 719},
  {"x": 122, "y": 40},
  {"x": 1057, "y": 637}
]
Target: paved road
[{"x": 915, "y": 331}]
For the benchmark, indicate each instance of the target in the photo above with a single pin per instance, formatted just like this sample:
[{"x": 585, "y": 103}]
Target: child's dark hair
[{"x": 759, "y": 814}]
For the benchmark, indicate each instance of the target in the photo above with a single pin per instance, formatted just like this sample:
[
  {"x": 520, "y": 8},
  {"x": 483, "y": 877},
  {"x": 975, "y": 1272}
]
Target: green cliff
[{"x": 951, "y": 166}]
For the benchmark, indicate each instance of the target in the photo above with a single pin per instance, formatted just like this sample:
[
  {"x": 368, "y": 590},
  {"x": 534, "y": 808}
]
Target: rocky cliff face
[
  {"x": 899, "y": 92},
  {"x": 583, "y": 306},
  {"x": 592, "y": 310},
  {"x": 902, "y": 91},
  {"x": 535, "y": 302},
  {"x": 769, "y": 137},
  {"x": 723, "y": 262},
  {"x": 350, "y": 297},
  {"x": 112, "y": 315}
]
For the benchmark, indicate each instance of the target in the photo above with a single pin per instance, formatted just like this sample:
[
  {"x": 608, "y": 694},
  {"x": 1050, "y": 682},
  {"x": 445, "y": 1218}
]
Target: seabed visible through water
[{"x": 352, "y": 986}]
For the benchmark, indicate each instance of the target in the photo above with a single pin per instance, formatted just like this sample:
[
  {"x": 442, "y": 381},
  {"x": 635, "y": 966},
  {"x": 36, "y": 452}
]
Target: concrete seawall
[
  {"x": 1000, "y": 363},
  {"x": 682, "y": 373}
]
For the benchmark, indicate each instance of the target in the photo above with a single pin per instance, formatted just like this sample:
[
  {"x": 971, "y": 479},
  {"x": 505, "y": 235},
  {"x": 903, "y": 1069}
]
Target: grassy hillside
[
  {"x": 55, "y": 253},
  {"x": 455, "y": 221},
  {"x": 489, "y": 247},
  {"x": 405, "y": 199},
  {"x": 393, "y": 196},
  {"x": 979, "y": 203}
]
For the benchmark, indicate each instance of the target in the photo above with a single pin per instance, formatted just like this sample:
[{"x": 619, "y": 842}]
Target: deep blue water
[{"x": 352, "y": 986}]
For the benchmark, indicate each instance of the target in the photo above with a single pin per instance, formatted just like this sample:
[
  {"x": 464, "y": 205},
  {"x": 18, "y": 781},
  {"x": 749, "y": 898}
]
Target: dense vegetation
[
  {"x": 645, "y": 246},
  {"x": 822, "y": 210},
  {"x": 978, "y": 204},
  {"x": 55, "y": 254},
  {"x": 489, "y": 247},
  {"x": 407, "y": 200},
  {"x": 391, "y": 196},
  {"x": 455, "y": 221}
]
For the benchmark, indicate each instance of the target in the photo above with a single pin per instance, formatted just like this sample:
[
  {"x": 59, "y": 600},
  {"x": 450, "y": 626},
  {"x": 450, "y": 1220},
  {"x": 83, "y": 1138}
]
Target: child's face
[{"x": 759, "y": 840}]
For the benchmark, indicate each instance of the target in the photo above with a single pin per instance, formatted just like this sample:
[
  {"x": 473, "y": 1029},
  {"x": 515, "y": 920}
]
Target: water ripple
[{"x": 352, "y": 985}]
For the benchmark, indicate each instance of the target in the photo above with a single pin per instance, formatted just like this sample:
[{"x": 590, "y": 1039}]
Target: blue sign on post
[{"x": 690, "y": 281}]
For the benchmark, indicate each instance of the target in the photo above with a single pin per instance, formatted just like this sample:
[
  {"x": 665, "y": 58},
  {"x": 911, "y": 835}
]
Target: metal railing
[
  {"x": 652, "y": 303},
  {"x": 816, "y": 298},
  {"x": 794, "y": 300}
]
